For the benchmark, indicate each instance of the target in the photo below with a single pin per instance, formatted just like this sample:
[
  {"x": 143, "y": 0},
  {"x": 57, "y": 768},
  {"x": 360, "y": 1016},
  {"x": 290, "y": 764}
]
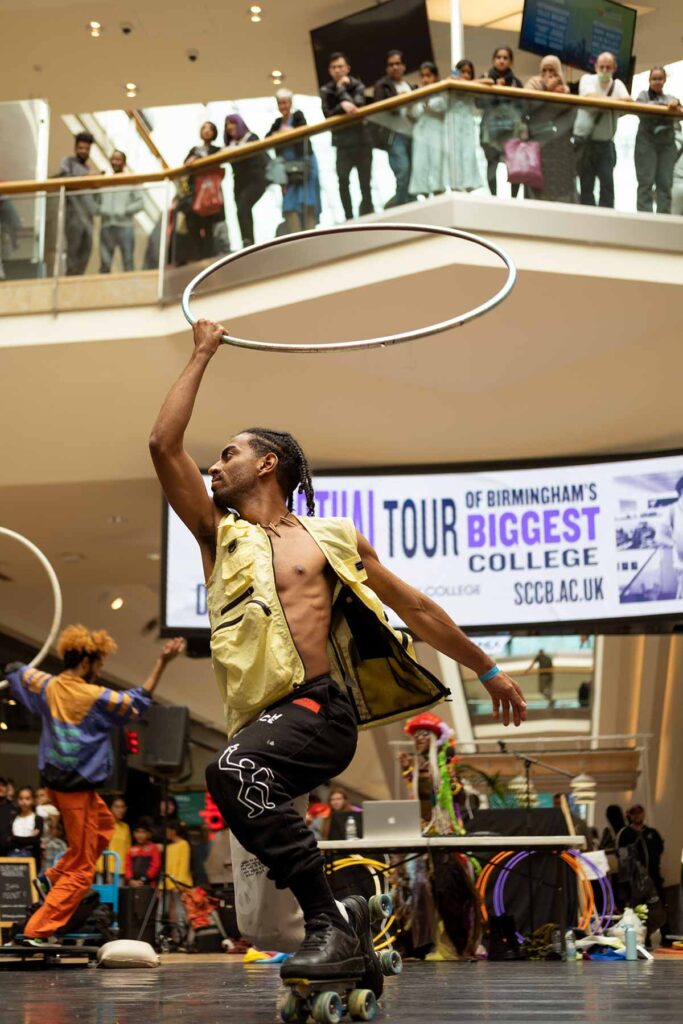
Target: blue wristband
[{"x": 491, "y": 674}]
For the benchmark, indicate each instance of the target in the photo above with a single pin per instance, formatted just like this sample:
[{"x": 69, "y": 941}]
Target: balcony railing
[{"x": 453, "y": 136}]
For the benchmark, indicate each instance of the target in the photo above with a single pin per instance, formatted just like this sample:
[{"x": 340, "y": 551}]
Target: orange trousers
[{"x": 89, "y": 826}]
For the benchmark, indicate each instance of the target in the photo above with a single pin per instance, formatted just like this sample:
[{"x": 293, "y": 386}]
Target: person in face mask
[{"x": 594, "y": 132}]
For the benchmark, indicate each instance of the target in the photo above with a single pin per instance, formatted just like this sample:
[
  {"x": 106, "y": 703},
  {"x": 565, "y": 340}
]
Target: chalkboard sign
[{"x": 16, "y": 890}]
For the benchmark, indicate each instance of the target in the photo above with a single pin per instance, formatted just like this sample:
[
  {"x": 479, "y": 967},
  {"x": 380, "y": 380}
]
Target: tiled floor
[{"x": 222, "y": 991}]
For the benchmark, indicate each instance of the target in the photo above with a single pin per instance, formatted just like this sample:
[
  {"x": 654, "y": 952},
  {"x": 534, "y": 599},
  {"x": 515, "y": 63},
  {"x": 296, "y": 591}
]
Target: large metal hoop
[
  {"x": 56, "y": 594},
  {"x": 390, "y": 339}
]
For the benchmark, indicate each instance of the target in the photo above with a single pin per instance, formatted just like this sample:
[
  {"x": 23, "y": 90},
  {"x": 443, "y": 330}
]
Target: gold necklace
[{"x": 284, "y": 519}]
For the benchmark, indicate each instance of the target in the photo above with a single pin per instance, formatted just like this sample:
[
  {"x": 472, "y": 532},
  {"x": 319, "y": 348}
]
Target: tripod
[{"x": 159, "y": 899}]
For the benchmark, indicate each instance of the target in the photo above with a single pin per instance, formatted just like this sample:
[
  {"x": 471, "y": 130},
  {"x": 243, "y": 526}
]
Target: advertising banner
[{"x": 499, "y": 548}]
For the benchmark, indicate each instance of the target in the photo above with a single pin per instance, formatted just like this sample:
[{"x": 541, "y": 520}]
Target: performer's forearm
[
  {"x": 430, "y": 623},
  {"x": 176, "y": 411}
]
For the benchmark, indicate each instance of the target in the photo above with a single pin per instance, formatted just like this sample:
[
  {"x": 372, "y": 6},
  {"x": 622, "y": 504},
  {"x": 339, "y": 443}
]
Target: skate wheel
[
  {"x": 380, "y": 906},
  {"x": 362, "y": 1004},
  {"x": 327, "y": 1008},
  {"x": 391, "y": 961},
  {"x": 293, "y": 1010}
]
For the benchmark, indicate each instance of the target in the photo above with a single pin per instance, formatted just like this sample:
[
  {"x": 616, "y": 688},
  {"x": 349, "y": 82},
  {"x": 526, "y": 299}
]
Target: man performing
[
  {"x": 302, "y": 653},
  {"x": 75, "y": 757}
]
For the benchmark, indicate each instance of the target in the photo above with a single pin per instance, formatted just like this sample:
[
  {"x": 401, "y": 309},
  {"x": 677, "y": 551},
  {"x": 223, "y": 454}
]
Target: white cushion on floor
[{"x": 127, "y": 953}]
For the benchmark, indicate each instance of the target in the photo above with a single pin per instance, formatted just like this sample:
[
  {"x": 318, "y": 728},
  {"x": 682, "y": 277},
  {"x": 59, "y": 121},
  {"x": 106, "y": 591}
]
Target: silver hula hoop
[
  {"x": 56, "y": 594},
  {"x": 390, "y": 339}
]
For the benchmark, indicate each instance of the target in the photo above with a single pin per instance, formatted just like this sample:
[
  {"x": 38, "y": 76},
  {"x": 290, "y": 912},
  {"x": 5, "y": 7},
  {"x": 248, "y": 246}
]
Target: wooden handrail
[{"x": 227, "y": 156}]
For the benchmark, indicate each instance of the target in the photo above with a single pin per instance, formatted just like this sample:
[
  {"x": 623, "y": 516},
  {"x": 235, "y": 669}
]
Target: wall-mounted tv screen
[
  {"x": 577, "y": 31},
  {"x": 365, "y": 38},
  {"x": 592, "y": 544}
]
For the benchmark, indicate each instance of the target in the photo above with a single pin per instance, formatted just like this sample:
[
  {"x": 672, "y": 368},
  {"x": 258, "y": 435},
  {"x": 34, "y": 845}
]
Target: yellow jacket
[
  {"x": 178, "y": 857},
  {"x": 121, "y": 843},
  {"x": 254, "y": 657}
]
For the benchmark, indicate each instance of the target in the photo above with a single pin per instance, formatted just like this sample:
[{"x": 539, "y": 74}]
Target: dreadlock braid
[{"x": 293, "y": 472}]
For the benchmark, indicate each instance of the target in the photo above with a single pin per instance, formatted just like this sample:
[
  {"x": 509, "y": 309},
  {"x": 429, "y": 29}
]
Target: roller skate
[{"x": 324, "y": 994}]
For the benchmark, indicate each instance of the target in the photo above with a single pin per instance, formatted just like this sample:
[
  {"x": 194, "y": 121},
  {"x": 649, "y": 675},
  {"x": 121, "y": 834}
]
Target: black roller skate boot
[
  {"x": 327, "y": 952},
  {"x": 359, "y": 918}
]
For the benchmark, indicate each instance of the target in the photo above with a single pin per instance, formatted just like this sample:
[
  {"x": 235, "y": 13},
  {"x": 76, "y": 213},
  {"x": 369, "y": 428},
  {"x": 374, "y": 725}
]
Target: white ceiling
[{"x": 48, "y": 53}]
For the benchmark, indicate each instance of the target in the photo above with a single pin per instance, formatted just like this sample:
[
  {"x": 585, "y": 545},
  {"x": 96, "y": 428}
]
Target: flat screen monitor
[
  {"x": 580, "y": 545},
  {"x": 365, "y": 38},
  {"x": 577, "y": 31}
]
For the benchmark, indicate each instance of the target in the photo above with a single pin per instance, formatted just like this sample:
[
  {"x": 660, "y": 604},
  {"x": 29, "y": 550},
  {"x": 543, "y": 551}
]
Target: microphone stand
[{"x": 528, "y": 761}]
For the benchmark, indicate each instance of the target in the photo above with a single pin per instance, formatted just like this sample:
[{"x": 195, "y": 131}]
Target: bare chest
[{"x": 298, "y": 561}]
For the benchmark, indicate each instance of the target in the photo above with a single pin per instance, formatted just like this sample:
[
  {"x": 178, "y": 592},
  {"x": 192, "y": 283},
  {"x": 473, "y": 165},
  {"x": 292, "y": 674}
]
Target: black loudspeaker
[
  {"x": 166, "y": 738},
  {"x": 133, "y": 904}
]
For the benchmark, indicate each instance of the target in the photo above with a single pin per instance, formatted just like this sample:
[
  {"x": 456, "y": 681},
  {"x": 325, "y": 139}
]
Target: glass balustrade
[{"x": 451, "y": 141}]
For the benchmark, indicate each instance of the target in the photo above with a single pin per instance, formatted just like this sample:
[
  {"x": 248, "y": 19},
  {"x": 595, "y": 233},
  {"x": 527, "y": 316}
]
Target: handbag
[
  {"x": 296, "y": 170},
  {"x": 208, "y": 194},
  {"x": 523, "y": 161}
]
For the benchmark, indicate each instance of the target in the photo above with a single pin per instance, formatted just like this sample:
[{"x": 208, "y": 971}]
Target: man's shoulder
[{"x": 620, "y": 91}]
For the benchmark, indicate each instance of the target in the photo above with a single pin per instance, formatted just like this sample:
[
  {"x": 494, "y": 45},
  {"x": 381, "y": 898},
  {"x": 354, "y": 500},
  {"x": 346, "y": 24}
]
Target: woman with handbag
[
  {"x": 501, "y": 118},
  {"x": 249, "y": 175},
  {"x": 551, "y": 125},
  {"x": 203, "y": 204},
  {"x": 301, "y": 206}
]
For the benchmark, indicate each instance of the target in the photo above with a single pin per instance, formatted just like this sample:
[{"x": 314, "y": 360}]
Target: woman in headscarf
[
  {"x": 551, "y": 125},
  {"x": 249, "y": 175},
  {"x": 301, "y": 195}
]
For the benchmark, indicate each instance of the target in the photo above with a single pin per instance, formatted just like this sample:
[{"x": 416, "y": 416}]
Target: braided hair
[{"x": 293, "y": 472}]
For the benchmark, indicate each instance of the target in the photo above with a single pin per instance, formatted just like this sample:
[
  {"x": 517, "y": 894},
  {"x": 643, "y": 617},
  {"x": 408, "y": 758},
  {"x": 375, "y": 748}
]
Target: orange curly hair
[{"x": 78, "y": 638}]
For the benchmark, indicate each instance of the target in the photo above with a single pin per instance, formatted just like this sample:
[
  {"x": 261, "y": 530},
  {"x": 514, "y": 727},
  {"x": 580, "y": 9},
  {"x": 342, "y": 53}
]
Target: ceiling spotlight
[
  {"x": 255, "y": 18},
  {"x": 154, "y": 556},
  {"x": 95, "y": 29},
  {"x": 255, "y": 12},
  {"x": 276, "y": 74},
  {"x": 116, "y": 604},
  {"x": 131, "y": 89}
]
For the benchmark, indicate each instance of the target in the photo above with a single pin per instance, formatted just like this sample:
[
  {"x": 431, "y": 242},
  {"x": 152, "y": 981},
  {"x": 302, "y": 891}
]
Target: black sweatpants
[{"x": 290, "y": 749}]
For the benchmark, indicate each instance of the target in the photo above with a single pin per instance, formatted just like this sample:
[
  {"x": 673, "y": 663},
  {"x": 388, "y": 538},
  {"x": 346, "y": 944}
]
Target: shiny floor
[{"x": 214, "y": 991}]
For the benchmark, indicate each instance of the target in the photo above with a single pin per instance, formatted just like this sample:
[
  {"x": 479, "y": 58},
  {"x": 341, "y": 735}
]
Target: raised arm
[
  {"x": 430, "y": 623},
  {"x": 178, "y": 473}
]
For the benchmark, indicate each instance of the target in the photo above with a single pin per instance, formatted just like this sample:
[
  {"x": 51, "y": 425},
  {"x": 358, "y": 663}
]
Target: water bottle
[
  {"x": 631, "y": 943},
  {"x": 570, "y": 945},
  {"x": 556, "y": 942},
  {"x": 351, "y": 831}
]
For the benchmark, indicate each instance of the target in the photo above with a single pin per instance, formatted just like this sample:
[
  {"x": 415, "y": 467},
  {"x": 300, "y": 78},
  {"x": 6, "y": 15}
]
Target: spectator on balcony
[
  {"x": 656, "y": 151},
  {"x": 428, "y": 171},
  {"x": 118, "y": 208},
  {"x": 249, "y": 175},
  {"x": 80, "y": 209},
  {"x": 501, "y": 119},
  {"x": 398, "y": 124},
  {"x": 546, "y": 676},
  {"x": 594, "y": 132},
  {"x": 460, "y": 136},
  {"x": 551, "y": 125},
  {"x": 10, "y": 225},
  {"x": 204, "y": 224},
  {"x": 301, "y": 195},
  {"x": 344, "y": 94}
]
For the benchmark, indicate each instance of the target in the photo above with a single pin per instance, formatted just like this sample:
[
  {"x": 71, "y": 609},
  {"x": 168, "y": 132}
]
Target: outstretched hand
[
  {"x": 506, "y": 696},
  {"x": 172, "y": 648},
  {"x": 207, "y": 336}
]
